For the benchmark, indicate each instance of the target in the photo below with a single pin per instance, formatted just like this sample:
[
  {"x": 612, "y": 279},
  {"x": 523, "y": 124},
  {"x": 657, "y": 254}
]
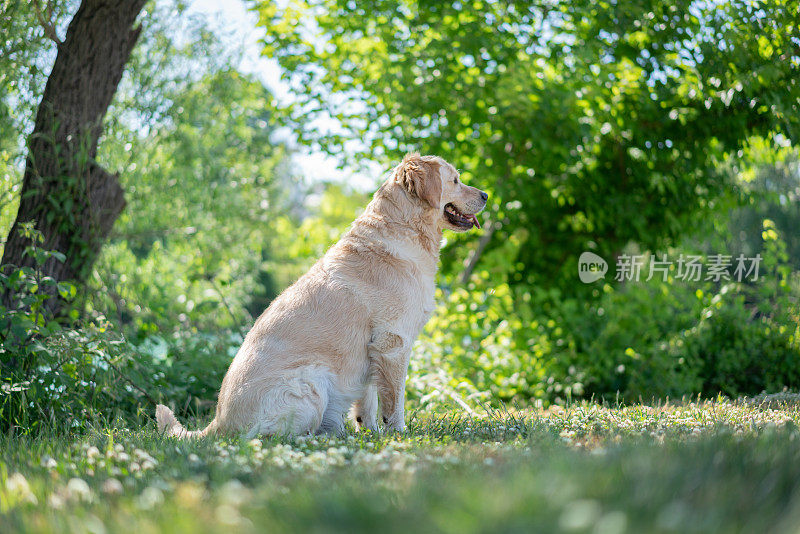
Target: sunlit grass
[{"x": 713, "y": 466}]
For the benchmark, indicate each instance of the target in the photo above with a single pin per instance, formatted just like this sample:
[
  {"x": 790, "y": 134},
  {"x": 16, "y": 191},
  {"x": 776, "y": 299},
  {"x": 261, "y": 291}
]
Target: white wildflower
[
  {"x": 228, "y": 515},
  {"x": 112, "y": 486},
  {"x": 150, "y": 498},
  {"x": 18, "y": 488},
  {"x": 234, "y": 493},
  {"x": 55, "y": 501},
  {"x": 78, "y": 489}
]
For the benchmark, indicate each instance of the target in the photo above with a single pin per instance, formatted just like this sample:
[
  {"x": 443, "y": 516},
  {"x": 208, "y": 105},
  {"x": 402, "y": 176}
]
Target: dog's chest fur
[{"x": 396, "y": 284}]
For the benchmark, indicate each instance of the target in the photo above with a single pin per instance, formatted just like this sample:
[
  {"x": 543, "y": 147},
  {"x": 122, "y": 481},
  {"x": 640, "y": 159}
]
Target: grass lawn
[{"x": 695, "y": 467}]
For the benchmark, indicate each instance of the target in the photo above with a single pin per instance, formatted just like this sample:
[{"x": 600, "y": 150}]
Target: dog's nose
[{"x": 484, "y": 196}]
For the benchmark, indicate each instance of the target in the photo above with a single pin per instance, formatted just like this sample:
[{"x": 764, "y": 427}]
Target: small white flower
[
  {"x": 17, "y": 486},
  {"x": 234, "y": 493},
  {"x": 150, "y": 497},
  {"x": 55, "y": 501},
  {"x": 78, "y": 489},
  {"x": 228, "y": 515},
  {"x": 49, "y": 462},
  {"x": 112, "y": 486}
]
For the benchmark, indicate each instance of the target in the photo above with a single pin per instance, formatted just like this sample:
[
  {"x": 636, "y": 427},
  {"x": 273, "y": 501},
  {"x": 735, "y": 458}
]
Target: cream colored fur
[{"x": 341, "y": 336}]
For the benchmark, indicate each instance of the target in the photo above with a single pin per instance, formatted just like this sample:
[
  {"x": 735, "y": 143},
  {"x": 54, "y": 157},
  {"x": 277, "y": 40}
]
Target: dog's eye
[{"x": 455, "y": 180}]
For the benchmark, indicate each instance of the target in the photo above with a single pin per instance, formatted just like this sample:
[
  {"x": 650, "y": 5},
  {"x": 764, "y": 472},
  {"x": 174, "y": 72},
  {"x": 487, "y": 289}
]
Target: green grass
[{"x": 696, "y": 467}]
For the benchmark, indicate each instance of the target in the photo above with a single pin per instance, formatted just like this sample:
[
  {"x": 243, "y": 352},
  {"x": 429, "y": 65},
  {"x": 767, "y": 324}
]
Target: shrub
[
  {"x": 736, "y": 352},
  {"x": 186, "y": 369},
  {"x": 643, "y": 340},
  {"x": 51, "y": 375},
  {"x": 487, "y": 346},
  {"x": 66, "y": 374}
]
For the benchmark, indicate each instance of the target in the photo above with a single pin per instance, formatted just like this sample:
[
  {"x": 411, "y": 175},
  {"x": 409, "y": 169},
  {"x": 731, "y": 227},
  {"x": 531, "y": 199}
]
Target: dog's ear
[{"x": 421, "y": 179}]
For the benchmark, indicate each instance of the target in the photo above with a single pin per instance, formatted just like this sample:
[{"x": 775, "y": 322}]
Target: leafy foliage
[
  {"x": 214, "y": 165},
  {"x": 592, "y": 124},
  {"x": 69, "y": 376},
  {"x": 25, "y": 57},
  {"x": 643, "y": 340},
  {"x": 49, "y": 375}
]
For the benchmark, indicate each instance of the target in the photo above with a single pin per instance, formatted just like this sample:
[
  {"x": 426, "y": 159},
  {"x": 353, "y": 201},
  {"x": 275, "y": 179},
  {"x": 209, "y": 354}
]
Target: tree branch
[
  {"x": 128, "y": 380},
  {"x": 46, "y": 22},
  {"x": 472, "y": 261}
]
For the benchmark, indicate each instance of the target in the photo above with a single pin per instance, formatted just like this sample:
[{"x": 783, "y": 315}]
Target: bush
[
  {"x": 185, "y": 370},
  {"x": 51, "y": 375},
  {"x": 734, "y": 352},
  {"x": 647, "y": 340},
  {"x": 66, "y": 374},
  {"x": 482, "y": 346}
]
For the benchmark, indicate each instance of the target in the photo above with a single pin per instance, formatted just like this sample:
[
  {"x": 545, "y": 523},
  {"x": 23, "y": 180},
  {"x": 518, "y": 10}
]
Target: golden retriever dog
[{"x": 340, "y": 337}]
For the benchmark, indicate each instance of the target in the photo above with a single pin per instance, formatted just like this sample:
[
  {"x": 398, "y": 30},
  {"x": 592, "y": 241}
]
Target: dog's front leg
[
  {"x": 365, "y": 411},
  {"x": 389, "y": 357}
]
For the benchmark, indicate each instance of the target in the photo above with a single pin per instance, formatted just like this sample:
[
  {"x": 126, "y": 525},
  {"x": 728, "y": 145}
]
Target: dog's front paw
[
  {"x": 394, "y": 424},
  {"x": 366, "y": 423}
]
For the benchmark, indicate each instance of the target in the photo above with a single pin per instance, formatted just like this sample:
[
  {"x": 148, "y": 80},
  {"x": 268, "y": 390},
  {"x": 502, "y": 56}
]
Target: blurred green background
[{"x": 635, "y": 127}]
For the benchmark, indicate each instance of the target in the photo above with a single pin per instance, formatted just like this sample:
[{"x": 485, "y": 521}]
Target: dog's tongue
[{"x": 474, "y": 220}]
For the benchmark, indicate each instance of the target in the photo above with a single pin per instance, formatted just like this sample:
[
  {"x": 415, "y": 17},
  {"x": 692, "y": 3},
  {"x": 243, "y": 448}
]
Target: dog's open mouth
[{"x": 462, "y": 220}]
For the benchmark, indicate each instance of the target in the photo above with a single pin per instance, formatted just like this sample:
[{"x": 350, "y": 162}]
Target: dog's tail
[{"x": 169, "y": 425}]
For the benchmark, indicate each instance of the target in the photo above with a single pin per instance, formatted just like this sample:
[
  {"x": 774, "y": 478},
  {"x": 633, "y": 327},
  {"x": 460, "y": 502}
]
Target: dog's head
[{"x": 437, "y": 185}]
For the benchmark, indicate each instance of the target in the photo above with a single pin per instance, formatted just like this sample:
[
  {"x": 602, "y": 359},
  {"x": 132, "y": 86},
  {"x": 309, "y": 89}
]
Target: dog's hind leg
[
  {"x": 333, "y": 419},
  {"x": 295, "y": 407}
]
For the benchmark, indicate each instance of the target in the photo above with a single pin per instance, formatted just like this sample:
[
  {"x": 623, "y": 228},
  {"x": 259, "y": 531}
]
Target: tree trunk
[
  {"x": 70, "y": 199},
  {"x": 472, "y": 260}
]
